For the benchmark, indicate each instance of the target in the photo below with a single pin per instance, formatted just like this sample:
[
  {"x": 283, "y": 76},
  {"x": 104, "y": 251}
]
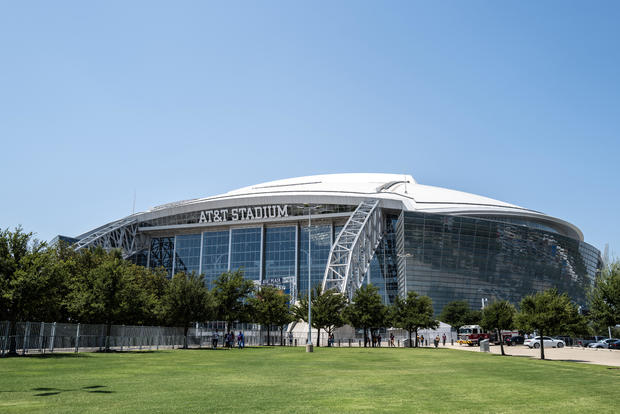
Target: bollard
[
  {"x": 77, "y": 338},
  {"x": 452, "y": 341},
  {"x": 295, "y": 341},
  {"x": 399, "y": 343},
  {"x": 359, "y": 343}
]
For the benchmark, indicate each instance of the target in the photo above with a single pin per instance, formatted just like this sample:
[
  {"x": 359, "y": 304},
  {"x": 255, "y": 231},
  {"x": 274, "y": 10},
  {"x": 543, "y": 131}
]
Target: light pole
[{"x": 309, "y": 347}]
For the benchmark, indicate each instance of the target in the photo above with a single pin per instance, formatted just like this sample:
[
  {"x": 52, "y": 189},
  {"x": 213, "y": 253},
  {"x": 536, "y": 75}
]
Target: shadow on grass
[
  {"x": 55, "y": 356},
  {"x": 92, "y": 389}
]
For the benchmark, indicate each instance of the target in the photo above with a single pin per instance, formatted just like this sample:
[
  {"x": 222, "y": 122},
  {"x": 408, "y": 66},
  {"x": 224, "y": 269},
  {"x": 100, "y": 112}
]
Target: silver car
[
  {"x": 548, "y": 341},
  {"x": 603, "y": 343}
]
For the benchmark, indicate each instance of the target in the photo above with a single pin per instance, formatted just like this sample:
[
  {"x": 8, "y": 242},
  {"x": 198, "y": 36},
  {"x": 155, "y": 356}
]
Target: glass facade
[
  {"x": 280, "y": 244},
  {"x": 214, "y": 254},
  {"x": 383, "y": 272},
  {"x": 245, "y": 251},
  {"x": 187, "y": 253},
  {"x": 452, "y": 258},
  {"x": 445, "y": 257},
  {"x": 161, "y": 253},
  {"x": 321, "y": 243},
  {"x": 280, "y": 261}
]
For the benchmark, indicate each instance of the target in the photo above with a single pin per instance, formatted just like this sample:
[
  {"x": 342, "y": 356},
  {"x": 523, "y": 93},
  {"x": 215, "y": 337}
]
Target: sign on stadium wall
[{"x": 243, "y": 213}]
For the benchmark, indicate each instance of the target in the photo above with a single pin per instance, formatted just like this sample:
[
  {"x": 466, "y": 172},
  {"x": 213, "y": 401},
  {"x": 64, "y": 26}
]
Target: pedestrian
[
  {"x": 214, "y": 340},
  {"x": 422, "y": 339},
  {"x": 392, "y": 340},
  {"x": 290, "y": 338},
  {"x": 240, "y": 342},
  {"x": 379, "y": 340},
  {"x": 444, "y": 339},
  {"x": 436, "y": 341}
]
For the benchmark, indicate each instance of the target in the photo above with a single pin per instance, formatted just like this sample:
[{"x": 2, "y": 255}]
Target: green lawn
[{"x": 289, "y": 380}]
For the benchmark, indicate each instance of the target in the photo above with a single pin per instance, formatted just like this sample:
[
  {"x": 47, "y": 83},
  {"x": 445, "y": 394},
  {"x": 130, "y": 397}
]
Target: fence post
[
  {"x": 6, "y": 339},
  {"x": 41, "y": 330},
  {"x": 53, "y": 337},
  {"x": 26, "y": 336},
  {"x": 77, "y": 338}
]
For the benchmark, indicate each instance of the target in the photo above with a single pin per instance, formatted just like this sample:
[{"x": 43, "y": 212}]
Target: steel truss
[
  {"x": 120, "y": 234},
  {"x": 350, "y": 256}
]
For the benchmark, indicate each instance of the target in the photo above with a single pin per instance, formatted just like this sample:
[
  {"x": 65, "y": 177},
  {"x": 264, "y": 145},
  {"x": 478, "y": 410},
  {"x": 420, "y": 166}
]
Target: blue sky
[{"x": 518, "y": 101}]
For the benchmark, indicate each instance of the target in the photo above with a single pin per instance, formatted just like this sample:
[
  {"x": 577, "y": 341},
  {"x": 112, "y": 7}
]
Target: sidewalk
[{"x": 573, "y": 354}]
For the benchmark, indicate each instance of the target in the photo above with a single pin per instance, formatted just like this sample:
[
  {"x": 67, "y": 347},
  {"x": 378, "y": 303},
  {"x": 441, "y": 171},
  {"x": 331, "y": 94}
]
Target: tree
[
  {"x": 30, "y": 282},
  {"x": 367, "y": 310},
  {"x": 458, "y": 313},
  {"x": 497, "y": 316},
  {"x": 270, "y": 307},
  {"x": 327, "y": 310},
  {"x": 413, "y": 313},
  {"x": 549, "y": 313},
  {"x": 231, "y": 292},
  {"x": 104, "y": 291},
  {"x": 604, "y": 297},
  {"x": 187, "y": 300}
]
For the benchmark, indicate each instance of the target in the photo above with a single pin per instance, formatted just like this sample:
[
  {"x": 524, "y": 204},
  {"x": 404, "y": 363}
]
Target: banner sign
[{"x": 243, "y": 213}]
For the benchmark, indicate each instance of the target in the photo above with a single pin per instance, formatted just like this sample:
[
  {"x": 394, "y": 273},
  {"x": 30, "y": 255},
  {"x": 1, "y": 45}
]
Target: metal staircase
[
  {"x": 119, "y": 234},
  {"x": 350, "y": 256}
]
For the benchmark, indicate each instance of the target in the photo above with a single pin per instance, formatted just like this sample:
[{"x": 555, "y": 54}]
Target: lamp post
[{"x": 309, "y": 346}]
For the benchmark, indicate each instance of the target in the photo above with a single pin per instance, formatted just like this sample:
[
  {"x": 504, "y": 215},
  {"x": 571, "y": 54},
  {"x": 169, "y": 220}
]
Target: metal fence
[{"x": 44, "y": 337}]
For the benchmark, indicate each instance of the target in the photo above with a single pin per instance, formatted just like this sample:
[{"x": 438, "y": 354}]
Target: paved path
[{"x": 574, "y": 354}]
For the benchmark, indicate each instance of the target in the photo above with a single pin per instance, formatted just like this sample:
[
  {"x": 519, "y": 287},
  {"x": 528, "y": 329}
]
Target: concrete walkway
[{"x": 572, "y": 354}]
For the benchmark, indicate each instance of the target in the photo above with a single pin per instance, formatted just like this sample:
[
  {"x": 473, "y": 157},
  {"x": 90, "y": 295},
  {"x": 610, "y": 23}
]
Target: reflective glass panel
[{"x": 246, "y": 252}]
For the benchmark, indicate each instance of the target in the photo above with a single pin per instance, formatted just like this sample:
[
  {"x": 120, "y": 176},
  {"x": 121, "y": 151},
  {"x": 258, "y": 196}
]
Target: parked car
[
  {"x": 603, "y": 343},
  {"x": 515, "y": 340},
  {"x": 589, "y": 340},
  {"x": 614, "y": 345},
  {"x": 548, "y": 341}
]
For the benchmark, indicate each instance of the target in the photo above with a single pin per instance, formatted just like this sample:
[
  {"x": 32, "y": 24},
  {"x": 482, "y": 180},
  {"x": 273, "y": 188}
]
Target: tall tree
[
  {"x": 231, "y": 292},
  {"x": 458, "y": 313},
  {"x": 413, "y": 313},
  {"x": 30, "y": 282},
  {"x": 367, "y": 310},
  {"x": 327, "y": 310},
  {"x": 269, "y": 307},
  {"x": 187, "y": 300},
  {"x": 604, "y": 297},
  {"x": 497, "y": 316},
  {"x": 549, "y": 313},
  {"x": 104, "y": 291}
]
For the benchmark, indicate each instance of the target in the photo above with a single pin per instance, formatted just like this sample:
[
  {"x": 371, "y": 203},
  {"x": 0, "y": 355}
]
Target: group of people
[
  {"x": 229, "y": 340},
  {"x": 436, "y": 340}
]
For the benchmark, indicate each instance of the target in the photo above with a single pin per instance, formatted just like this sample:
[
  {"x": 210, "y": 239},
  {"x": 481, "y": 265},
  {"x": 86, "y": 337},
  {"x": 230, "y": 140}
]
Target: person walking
[
  {"x": 436, "y": 341},
  {"x": 215, "y": 338},
  {"x": 379, "y": 340},
  {"x": 240, "y": 341},
  {"x": 290, "y": 339},
  {"x": 392, "y": 340},
  {"x": 443, "y": 337},
  {"x": 422, "y": 339}
]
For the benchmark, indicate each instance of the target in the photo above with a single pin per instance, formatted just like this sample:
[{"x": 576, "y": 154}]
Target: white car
[{"x": 548, "y": 341}]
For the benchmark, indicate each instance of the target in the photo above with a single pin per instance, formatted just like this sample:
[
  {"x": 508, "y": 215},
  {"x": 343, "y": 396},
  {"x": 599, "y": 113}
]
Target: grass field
[{"x": 289, "y": 380}]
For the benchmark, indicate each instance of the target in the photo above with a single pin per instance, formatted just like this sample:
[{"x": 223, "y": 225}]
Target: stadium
[{"x": 384, "y": 229}]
